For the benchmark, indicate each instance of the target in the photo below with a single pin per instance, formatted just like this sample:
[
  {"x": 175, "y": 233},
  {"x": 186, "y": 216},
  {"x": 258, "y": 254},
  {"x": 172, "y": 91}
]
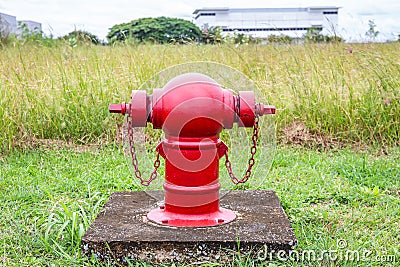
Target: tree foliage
[
  {"x": 159, "y": 30},
  {"x": 372, "y": 33},
  {"x": 81, "y": 37},
  {"x": 212, "y": 35}
]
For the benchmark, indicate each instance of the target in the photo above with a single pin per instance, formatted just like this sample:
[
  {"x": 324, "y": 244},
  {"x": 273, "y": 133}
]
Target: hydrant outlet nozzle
[
  {"x": 119, "y": 108},
  {"x": 262, "y": 109}
]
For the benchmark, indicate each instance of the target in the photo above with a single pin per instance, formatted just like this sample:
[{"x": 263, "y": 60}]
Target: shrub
[
  {"x": 313, "y": 35},
  {"x": 81, "y": 37},
  {"x": 281, "y": 39},
  {"x": 213, "y": 35}
]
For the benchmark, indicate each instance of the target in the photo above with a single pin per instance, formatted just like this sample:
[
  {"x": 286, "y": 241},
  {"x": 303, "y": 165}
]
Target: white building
[
  {"x": 262, "y": 22},
  {"x": 32, "y": 26},
  {"x": 10, "y": 25}
]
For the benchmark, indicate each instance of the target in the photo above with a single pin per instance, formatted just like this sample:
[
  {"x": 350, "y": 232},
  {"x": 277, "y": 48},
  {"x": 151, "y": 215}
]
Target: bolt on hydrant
[{"x": 192, "y": 110}]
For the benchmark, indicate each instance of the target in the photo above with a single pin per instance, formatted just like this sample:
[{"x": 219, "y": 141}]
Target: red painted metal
[
  {"x": 264, "y": 109},
  {"x": 118, "y": 108},
  {"x": 139, "y": 108},
  {"x": 247, "y": 105},
  {"x": 192, "y": 110}
]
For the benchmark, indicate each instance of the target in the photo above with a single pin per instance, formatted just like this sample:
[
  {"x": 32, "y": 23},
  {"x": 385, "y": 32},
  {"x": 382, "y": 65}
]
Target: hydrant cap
[{"x": 191, "y": 77}]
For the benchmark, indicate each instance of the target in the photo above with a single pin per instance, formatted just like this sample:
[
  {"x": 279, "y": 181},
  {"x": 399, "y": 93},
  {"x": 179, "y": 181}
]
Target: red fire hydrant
[{"x": 192, "y": 109}]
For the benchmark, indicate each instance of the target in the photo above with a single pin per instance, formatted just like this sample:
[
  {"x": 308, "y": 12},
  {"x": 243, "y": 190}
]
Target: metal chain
[
  {"x": 135, "y": 162},
  {"x": 228, "y": 163},
  {"x": 251, "y": 161}
]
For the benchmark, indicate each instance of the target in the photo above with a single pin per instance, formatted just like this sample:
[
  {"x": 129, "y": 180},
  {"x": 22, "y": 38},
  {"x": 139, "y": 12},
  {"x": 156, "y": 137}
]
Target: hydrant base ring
[{"x": 166, "y": 218}]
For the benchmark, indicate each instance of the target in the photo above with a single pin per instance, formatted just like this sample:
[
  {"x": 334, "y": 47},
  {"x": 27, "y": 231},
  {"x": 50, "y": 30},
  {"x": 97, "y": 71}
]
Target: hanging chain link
[
  {"x": 135, "y": 162},
  {"x": 251, "y": 161}
]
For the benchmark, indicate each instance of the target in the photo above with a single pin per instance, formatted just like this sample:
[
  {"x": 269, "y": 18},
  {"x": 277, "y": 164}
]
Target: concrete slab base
[{"x": 121, "y": 232}]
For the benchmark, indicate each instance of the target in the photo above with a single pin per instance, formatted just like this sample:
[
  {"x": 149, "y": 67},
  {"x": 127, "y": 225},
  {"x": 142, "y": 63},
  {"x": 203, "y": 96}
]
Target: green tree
[
  {"x": 372, "y": 33},
  {"x": 158, "y": 30},
  {"x": 81, "y": 37}
]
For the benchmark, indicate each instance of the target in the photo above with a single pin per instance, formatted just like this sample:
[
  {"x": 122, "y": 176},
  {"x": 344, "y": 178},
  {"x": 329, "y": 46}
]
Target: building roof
[
  {"x": 6, "y": 15},
  {"x": 272, "y": 9},
  {"x": 211, "y": 9},
  {"x": 30, "y": 21}
]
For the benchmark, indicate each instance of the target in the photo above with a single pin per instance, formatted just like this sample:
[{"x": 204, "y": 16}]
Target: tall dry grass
[{"x": 347, "y": 92}]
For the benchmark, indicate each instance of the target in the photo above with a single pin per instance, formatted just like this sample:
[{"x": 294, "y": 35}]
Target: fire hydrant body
[{"x": 192, "y": 110}]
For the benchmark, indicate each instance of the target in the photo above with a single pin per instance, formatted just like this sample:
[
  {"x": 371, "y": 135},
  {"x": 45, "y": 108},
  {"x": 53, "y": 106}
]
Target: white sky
[{"x": 97, "y": 16}]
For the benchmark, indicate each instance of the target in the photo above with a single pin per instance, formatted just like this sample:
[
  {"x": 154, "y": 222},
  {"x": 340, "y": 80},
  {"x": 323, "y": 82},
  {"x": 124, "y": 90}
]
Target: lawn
[{"x": 49, "y": 197}]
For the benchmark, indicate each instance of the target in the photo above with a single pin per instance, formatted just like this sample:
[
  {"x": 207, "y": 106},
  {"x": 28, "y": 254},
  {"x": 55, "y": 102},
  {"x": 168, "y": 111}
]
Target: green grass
[
  {"x": 48, "y": 198},
  {"x": 62, "y": 92}
]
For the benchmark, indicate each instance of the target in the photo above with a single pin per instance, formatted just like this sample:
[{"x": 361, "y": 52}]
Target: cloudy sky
[{"x": 97, "y": 16}]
